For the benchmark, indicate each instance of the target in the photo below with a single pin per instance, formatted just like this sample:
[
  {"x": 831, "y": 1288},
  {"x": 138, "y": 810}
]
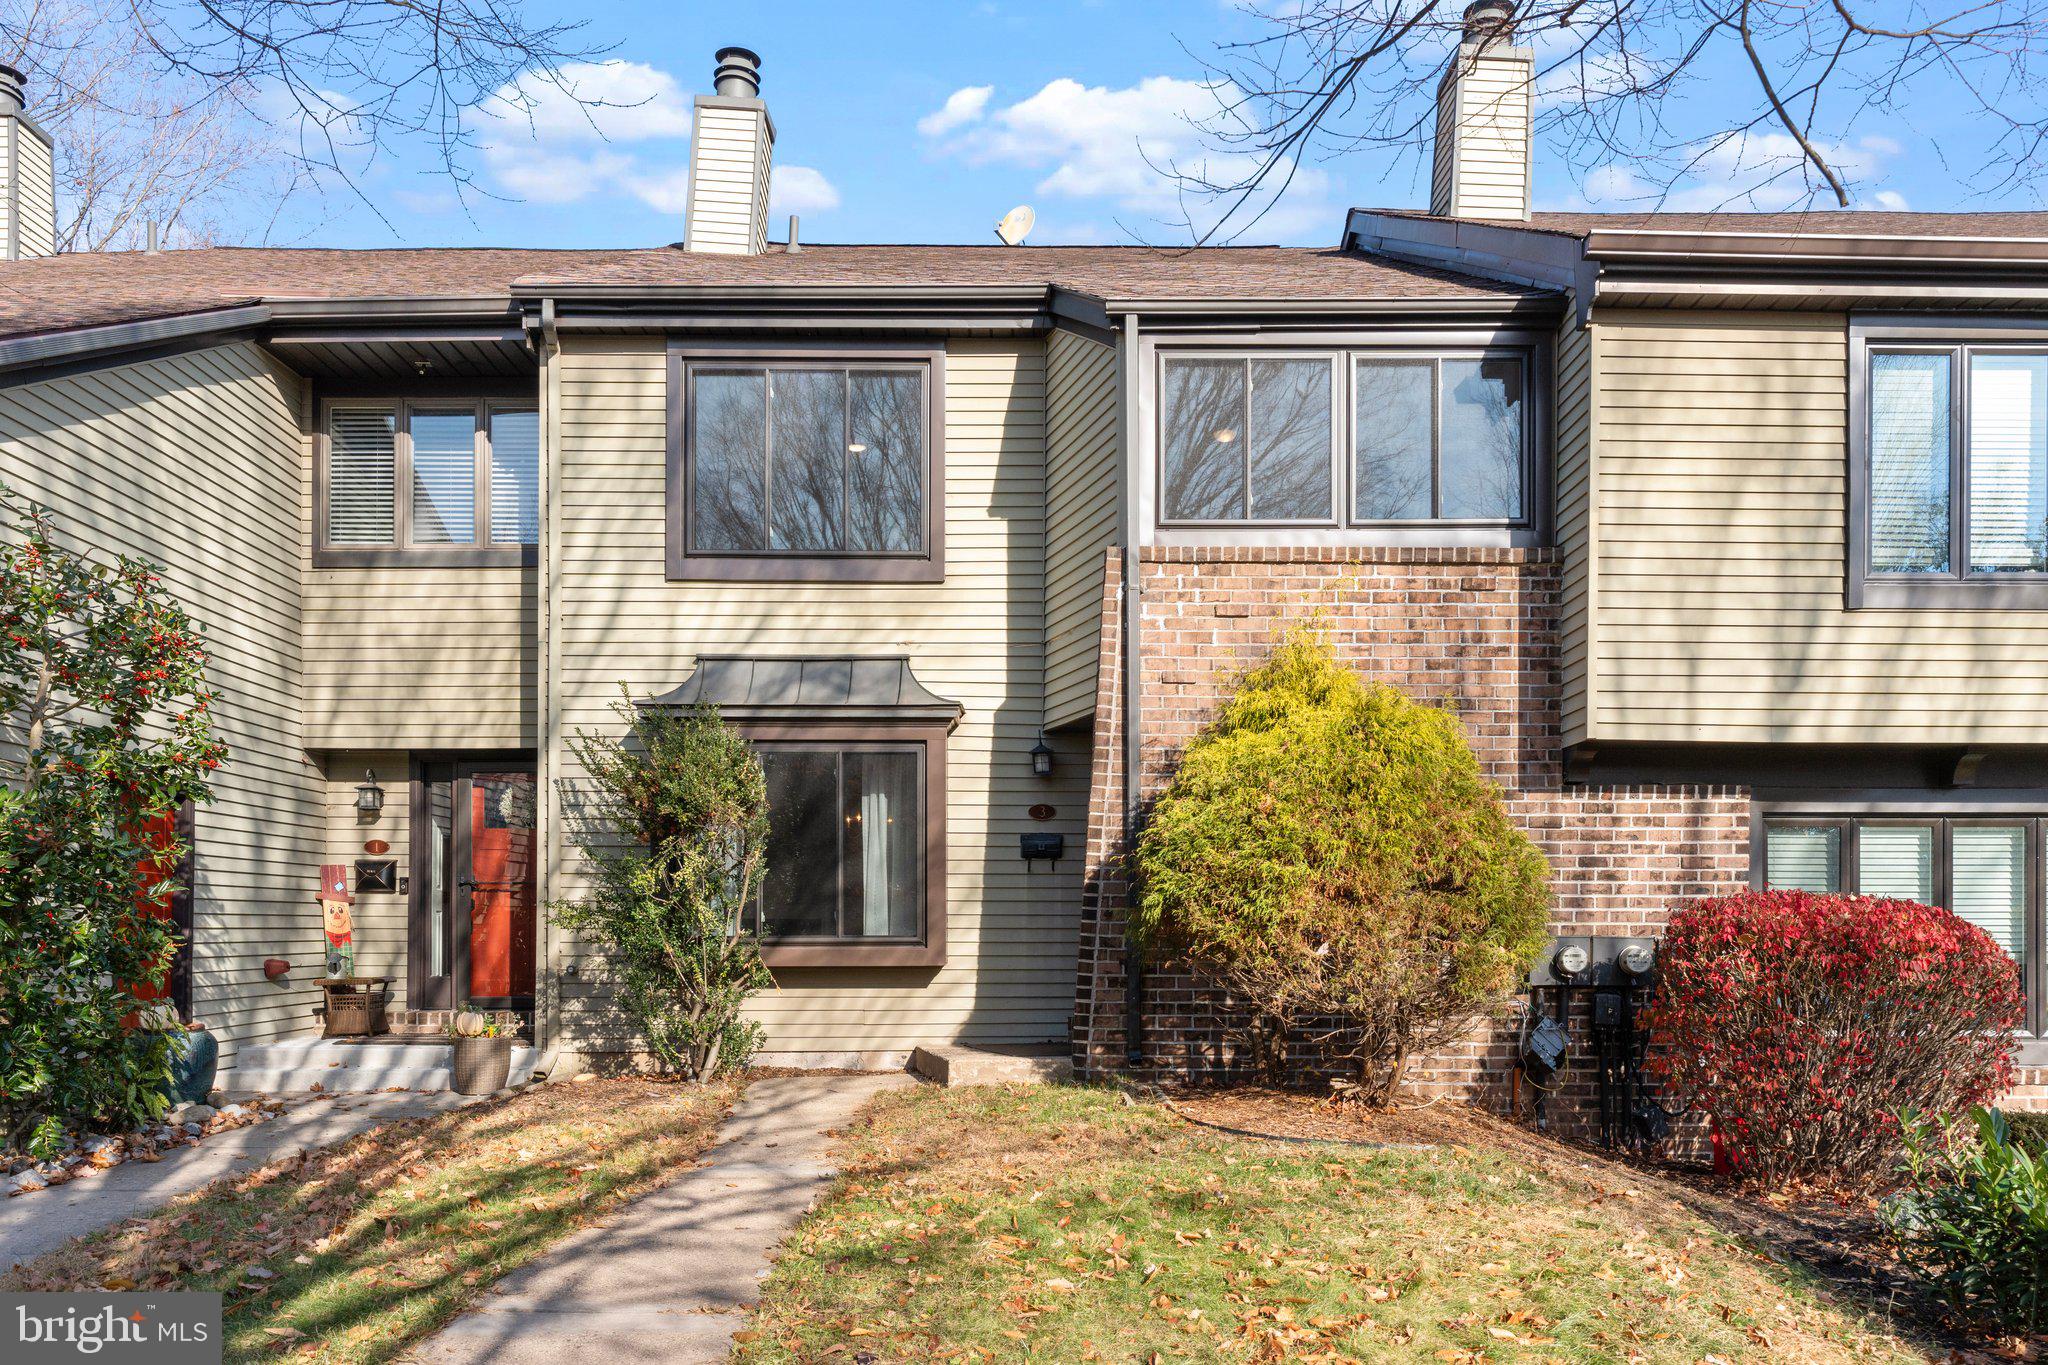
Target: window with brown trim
[
  {"x": 1985, "y": 868},
  {"x": 427, "y": 481},
  {"x": 799, "y": 464},
  {"x": 856, "y": 845}
]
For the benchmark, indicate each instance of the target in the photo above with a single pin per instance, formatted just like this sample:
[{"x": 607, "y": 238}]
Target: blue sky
[{"x": 925, "y": 122}]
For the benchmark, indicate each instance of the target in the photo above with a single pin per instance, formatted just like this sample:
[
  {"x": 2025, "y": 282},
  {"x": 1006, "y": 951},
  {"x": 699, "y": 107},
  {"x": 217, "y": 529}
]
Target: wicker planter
[
  {"x": 354, "y": 1009},
  {"x": 482, "y": 1065}
]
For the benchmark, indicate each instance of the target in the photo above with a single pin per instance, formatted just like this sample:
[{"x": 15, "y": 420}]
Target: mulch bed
[{"x": 1837, "y": 1239}]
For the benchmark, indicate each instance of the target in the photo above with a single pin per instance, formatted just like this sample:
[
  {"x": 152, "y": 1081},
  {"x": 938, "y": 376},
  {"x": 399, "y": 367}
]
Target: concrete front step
[
  {"x": 954, "y": 1065},
  {"x": 339, "y": 1065}
]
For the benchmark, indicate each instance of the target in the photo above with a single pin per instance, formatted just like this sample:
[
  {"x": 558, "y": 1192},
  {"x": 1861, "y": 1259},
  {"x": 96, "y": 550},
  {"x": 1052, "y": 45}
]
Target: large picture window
[
  {"x": 807, "y": 467},
  {"x": 1985, "y": 869},
  {"x": 433, "y": 481},
  {"x": 1949, "y": 501},
  {"x": 1351, "y": 439}
]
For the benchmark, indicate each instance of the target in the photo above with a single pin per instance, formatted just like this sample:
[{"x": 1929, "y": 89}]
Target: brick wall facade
[{"x": 1474, "y": 630}]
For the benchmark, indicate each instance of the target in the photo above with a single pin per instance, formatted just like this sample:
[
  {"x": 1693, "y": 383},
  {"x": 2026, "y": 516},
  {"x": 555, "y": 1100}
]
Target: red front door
[{"x": 501, "y": 885}]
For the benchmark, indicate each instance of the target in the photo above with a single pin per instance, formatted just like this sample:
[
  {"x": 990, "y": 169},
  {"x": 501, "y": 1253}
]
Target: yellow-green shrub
[{"x": 1330, "y": 854}]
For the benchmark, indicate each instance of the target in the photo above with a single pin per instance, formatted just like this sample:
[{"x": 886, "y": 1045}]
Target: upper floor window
[
  {"x": 428, "y": 480},
  {"x": 1949, "y": 475},
  {"x": 806, "y": 468},
  {"x": 1355, "y": 439}
]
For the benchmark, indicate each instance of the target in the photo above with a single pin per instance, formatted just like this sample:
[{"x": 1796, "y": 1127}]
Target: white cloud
[
  {"x": 611, "y": 128},
  {"x": 1128, "y": 146},
  {"x": 1763, "y": 172},
  {"x": 615, "y": 101},
  {"x": 800, "y": 189},
  {"x": 1889, "y": 199},
  {"x": 961, "y": 107}
]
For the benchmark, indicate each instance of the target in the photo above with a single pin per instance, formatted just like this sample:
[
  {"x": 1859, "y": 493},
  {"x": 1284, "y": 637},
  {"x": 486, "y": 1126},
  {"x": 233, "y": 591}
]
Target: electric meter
[
  {"x": 1571, "y": 960},
  {"x": 1636, "y": 959}
]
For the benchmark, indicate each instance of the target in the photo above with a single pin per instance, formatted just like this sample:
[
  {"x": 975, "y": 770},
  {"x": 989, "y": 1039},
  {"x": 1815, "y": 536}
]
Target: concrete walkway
[
  {"x": 31, "y": 1224},
  {"x": 667, "y": 1279}
]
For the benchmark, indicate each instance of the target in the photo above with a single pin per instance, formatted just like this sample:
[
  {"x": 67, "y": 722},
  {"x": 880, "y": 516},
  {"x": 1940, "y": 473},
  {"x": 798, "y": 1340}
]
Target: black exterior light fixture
[
  {"x": 369, "y": 796},
  {"x": 1041, "y": 758}
]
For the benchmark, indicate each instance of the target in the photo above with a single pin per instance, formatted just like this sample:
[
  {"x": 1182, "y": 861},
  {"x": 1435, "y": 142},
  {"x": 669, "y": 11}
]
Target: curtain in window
[
  {"x": 361, "y": 469},
  {"x": 1896, "y": 861},
  {"x": 1990, "y": 878},
  {"x": 887, "y": 835},
  {"x": 515, "y": 477},
  {"x": 443, "y": 477},
  {"x": 1909, "y": 463},
  {"x": 1803, "y": 858},
  {"x": 2008, "y": 466}
]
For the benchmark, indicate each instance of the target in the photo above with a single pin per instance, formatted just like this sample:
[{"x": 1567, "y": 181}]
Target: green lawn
[
  {"x": 358, "y": 1251},
  {"x": 1065, "y": 1224}
]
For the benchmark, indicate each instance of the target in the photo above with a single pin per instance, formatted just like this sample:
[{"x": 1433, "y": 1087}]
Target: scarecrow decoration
[{"x": 337, "y": 921}]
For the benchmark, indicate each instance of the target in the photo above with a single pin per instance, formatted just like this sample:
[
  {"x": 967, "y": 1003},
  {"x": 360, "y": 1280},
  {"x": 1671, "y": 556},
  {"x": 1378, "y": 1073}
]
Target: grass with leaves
[
  {"x": 1067, "y": 1224},
  {"x": 356, "y": 1252}
]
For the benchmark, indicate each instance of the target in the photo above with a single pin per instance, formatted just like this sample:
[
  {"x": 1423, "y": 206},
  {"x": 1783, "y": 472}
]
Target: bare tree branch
[{"x": 1718, "y": 103}]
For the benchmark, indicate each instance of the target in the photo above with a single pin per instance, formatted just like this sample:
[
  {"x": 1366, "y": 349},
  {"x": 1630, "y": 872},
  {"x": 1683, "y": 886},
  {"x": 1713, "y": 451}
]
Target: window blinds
[{"x": 361, "y": 463}]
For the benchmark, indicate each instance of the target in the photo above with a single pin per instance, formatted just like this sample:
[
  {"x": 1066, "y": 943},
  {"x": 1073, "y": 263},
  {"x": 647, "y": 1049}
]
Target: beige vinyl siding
[
  {"x": 977, "y": 637},
  {"x": 193, "y": 462},
  {"x": 1722, "y": 480},
  {"x": 1572, "y": 441},
  {"x": 729, "y": 181},
  {"x": 1480, "y": 167},
  {"x": 1081, "y": 517},
  {"x": 380, "y": 918},
  {"x": 419, "y": 656},
  {"x": 37, "y": 196}
]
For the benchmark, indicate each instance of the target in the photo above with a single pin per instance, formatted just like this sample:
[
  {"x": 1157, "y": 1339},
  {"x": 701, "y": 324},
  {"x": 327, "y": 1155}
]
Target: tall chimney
[
  {"x": 28, "y": 183},
  {"x": 732, "y": 147},
  {"x": 1481, "y": 167}
]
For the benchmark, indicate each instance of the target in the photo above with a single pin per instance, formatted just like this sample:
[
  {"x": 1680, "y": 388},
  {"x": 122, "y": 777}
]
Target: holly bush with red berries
[
  {"x": 1804, "y": 1024},
  {"x": 107, "y": 728}
]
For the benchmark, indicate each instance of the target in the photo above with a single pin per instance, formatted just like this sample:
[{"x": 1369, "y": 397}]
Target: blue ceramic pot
[{"x": 193, "y": 1070}]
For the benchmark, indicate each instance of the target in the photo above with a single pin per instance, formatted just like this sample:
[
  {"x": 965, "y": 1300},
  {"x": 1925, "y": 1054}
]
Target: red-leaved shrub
[{"x": 1802, "y": 1025}]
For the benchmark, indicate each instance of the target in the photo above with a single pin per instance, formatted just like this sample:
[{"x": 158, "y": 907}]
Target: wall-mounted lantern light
[
  {"x": 369, "y": 796},
  {"x": 1041, "y": 758}
]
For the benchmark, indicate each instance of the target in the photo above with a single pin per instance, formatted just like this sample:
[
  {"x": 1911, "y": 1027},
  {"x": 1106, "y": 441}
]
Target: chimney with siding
[
  {"x": 732, "y": 147},
  {"x": 28, "y": 183},
  {"x": 1483, "y": 112}
]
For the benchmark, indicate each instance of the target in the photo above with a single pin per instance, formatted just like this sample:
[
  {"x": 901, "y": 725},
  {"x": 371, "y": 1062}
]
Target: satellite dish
[{"x": 1016, "y": 225}]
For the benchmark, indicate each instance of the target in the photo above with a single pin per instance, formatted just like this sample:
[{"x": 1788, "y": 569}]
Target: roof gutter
[{"x": 39, "y": 353}]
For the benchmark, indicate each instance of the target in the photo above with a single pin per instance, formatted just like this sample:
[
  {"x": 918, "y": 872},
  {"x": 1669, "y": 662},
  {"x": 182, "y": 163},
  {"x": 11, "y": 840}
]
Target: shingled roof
[{"x": 59, "y": 293}]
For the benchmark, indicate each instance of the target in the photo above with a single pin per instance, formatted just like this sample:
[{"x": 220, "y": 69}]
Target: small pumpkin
[{"x": 471, "y": 1024}]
